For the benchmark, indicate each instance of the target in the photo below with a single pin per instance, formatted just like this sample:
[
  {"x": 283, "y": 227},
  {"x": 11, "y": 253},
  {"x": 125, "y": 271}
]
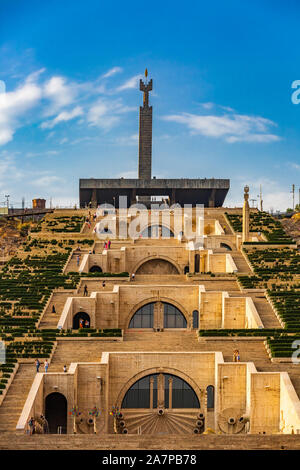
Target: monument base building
[{"x": 209, "y": 192}]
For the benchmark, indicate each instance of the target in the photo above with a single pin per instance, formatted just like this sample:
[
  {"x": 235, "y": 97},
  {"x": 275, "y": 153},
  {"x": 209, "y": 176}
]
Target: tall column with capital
[
  {"x": 246, "y": 215},
  {"x": 145, "y": 132}
]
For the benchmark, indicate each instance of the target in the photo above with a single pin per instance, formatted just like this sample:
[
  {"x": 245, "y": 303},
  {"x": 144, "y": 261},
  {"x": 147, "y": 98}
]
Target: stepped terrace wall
[{"x": 115, "y": 308}]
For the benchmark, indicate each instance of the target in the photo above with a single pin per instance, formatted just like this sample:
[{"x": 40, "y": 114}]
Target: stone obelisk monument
[
  {"x": 246, "y": 215},
  {"x": 145, "y": 132}
]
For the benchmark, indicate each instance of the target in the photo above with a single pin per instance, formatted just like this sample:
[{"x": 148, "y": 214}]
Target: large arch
[
  {"x": 95, "y": 269},
  {"x": 162, "y": 370},
  {"x": 80, "y": 316},
  {"x": 157, "y": 231},
  {"x": 174, "y": 267},
  {"x": 153, "y": 300},
  {"x": 139, "y": 394},
  {"x": 56, "y": 412},
  {"x": 226, "y": 246}
]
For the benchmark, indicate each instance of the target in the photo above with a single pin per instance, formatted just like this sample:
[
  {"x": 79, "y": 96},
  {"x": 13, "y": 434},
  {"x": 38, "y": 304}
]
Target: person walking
[
  {"x": 103, "y": 284},
  {"x": 109, "y": 243},
  {"x": 53, "y": 309},
  {"x": 65, "y": 368},
  {"x": 86, "y": 324},
  {"x": 45, "y": 425},
  {"x": 85, "y": 290},
  {"x": 46, "y": 365},
  {"x": 31, "y": 424},
  {"x": 132, "y": 276},
  {"x": 81, "y": 323},
  {"x": 37, "y": 364},
  {"x": 78, "y": 259},
  {"x": 237, "y": 356},
  {"x": 234, "y": 355}
]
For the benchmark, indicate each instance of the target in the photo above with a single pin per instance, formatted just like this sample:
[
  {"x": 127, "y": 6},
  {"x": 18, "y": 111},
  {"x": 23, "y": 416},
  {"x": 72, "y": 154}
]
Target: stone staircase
[
  {"x": 263, "y": 308},
  {"x": 49, "y": 319},
  {"x": 241, "y": 263},
  {"x": 111, "y": 442},
  {"x": 265, "y": 311},
  {"x": 72, "y": 264},
  {"x": 14, "y": 401},
  {"x": 80, "y": 350}
]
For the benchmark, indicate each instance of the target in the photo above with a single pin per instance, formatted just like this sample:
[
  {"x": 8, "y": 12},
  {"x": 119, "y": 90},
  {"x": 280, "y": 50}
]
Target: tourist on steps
[
  {"x": 53, "y": 309},
  {"x": 45, "y": 425},
  {"x": 37, "y": 364},
  {"x": 85, "y": 290},
  {"x": 31, "y": 424},
  {"x": 46, "y": 365}
]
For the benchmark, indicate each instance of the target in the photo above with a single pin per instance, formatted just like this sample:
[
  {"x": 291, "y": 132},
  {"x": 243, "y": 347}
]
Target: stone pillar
[
  {"x": 133, "y": 196},
  {"x": 211, "y": 201},
  {"x": 173, "y": 197},
  {"x": 158, "y": 321},
  {"x": 94, "y": 199},
  {"x": 246, "y": 215},
  {"x": 192, "y": 261},
  {"x": 202, "y": 268},
  {"x": 145, "y": 133}
]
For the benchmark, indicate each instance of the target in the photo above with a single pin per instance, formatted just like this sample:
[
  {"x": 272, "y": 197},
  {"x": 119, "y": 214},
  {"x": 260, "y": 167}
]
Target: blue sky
[{"x": 222, "y": 75}]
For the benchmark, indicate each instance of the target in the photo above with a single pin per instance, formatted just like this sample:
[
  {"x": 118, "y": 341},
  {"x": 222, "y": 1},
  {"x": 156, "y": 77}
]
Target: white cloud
[
  {"x": 54, "y": 97},
  {"x": 295, "y": 166},
  {"x": 112, "y": 72},
  {"x": 47, "y": 180},
  {"x": 127, "y": 140},
  {"x": 106, "y": 114},
  {"x": 231, "y": 127},
  {"x": 207, "y": 105},
  {"x": 14, "y": 105},
  {"x": 130, "y": 83},
  {"x": 63, "y": 116},
  {"x": 59, "y": 93},
  {"x": 42, "y": 154}
]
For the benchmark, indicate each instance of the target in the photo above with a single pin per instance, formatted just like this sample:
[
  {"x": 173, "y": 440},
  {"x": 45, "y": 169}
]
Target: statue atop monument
[{"x": 146, "y": 87}]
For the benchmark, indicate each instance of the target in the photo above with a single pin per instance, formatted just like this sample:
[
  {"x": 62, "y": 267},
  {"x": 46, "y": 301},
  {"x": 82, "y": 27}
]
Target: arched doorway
[
  {"x": 195, "y": 319},
  {"x": 157, "y": 266},
  {"x": 95, "y": 269},
  {"x": 160, "y": 404},
  {"x": 81, "y": 316},
  {"x": 56, "y": 409}
]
